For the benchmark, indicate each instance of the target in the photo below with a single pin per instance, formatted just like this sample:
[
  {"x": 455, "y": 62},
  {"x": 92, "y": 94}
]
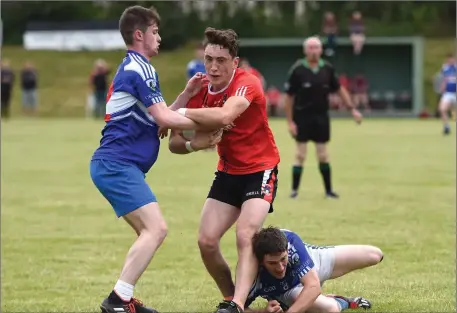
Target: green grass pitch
[{"x": 63, "y": 247}]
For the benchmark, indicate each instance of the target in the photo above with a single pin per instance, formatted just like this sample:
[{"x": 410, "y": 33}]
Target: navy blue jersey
[
  {"x": 449, "y": 73},
  {"x": 131, "y": 133},
  {"x": 300, "y": 263}
]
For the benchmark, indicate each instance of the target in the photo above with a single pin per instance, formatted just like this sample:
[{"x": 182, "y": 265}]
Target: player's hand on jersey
[
  {"x": 357, "y": 116},
  {"x": 204, "y": 140},
  {"x": 229, "y": 126},
  {"x": 293, "y": 129},
  {"x": 273, "y": 306},
  {"x": 163, "y": 132},
  {"x": 194, "y": 84}
]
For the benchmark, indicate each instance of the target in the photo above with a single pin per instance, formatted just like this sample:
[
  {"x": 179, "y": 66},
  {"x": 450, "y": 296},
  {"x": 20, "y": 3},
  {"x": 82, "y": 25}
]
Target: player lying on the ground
[{"x": 292, "y": 272}]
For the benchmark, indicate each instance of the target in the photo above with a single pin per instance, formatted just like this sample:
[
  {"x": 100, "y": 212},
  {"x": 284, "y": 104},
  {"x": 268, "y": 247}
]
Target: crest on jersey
[
  {"x": 151, "y": 83},
  {"x": 284, "y": 285}
]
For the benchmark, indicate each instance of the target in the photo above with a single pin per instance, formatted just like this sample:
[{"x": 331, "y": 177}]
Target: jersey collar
[
  {"x": 320, "y": 64},
  {"x": 138, "y": 54}
]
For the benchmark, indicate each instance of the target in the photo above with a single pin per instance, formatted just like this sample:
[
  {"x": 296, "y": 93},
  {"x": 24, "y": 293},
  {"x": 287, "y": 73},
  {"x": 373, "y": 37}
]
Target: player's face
[
  {"x": 276, "y": 264},
  {"x": 151, "y": 40},
  {"x": 451, "y": 60},
  {"x": 219, "y": 65},
  {"x": 313, "y": 51}
]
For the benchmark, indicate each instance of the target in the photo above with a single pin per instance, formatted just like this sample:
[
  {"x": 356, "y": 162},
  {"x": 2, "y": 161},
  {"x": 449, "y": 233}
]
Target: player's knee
[
  {"x": 322, "y": 156},
  {"x": 156, "y": 234},
  {"x": 207, "y": 243},
  {"x": 300, "y": 157},
  {"x": 244, "y": 238},
  {"x": 160, "y": 231}
]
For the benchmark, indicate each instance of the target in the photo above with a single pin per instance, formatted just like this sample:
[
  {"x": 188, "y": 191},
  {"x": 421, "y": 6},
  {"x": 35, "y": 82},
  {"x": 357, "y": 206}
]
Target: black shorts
[
  {"x": 313, "y": 127},
  {"x": 236, "y": 189}
]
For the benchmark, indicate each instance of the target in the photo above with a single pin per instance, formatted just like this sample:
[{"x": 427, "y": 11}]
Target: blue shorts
[{"x": 122, "y": 184}]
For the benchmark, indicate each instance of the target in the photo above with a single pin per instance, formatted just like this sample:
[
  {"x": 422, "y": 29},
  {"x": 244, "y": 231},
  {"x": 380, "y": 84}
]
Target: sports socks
[
  {"x": 342, "y": 303},
  {"x": 296, "y": 176},
  {"x": 325, "y": 170},
  {"x": 122, "y": 291}
]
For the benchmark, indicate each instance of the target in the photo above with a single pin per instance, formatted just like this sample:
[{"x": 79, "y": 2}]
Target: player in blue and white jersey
[
  {"x": 448, "y": 88},
  {"x": 129, "y": 148},
  {"x": 292, "y": 272},
  {"x": 196, "y": 65}
]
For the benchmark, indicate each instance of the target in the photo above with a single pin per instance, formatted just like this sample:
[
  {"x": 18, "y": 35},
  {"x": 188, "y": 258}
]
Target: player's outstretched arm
[
  {"x": 218, "y": 117},
  {"x": 311, "y": 290},
  {"x": 170, "y": 119}
]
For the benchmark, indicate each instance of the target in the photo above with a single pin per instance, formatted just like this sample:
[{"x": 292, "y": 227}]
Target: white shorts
[
  {"x": 324, "y": 260},
  {"x": 448, "y": 97}
]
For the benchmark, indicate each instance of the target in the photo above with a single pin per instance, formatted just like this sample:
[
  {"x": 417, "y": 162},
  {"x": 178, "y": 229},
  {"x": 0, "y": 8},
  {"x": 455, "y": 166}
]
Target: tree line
[{"x": 186, "y": 20}]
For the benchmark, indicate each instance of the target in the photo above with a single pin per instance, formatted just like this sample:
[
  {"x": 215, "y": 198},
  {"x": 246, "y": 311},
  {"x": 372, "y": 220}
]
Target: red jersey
[{"x": 248, "y": 147}]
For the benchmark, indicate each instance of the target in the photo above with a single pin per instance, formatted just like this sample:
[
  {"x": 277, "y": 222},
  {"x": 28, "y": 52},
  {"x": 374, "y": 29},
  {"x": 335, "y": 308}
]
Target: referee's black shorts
[{"x": 313, "y": 127}]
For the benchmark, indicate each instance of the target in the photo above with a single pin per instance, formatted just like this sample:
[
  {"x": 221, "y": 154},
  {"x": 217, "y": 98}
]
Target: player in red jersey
[{"x": 245, "y": 184}]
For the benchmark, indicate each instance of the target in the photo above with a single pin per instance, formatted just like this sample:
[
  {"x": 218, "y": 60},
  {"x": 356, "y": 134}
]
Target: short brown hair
[
  {"x": 270, "y": 240},
  {"x": 137, "y": 17},
  {"x": 226, "y": 38}
]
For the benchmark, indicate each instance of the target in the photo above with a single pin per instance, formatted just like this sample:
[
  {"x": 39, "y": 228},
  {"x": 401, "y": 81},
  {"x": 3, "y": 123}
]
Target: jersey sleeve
[
  {"x": 292, "y": 84},
  {"x": 334, "y": 81},
  {"x": 249, "y": 88},
  {"x": 299, "y": 257},
  {"x": 148, "y": 89}
]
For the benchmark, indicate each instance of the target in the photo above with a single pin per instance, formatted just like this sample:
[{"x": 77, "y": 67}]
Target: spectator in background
[
  {"x": 197, "y": 64},
  {"x": 99, "y": 84},
  {"x": 273, "y": 100},
  {"x": 7, "y": 77},
  {"x": 360, "y": 92},
  {"x": 29, "y": 84},
  {"x": 330, "y": 30},
  {"x": 357, "y": 32},
  {"x": 245, "y": 65},
  {"x": 335, "y": 100}
]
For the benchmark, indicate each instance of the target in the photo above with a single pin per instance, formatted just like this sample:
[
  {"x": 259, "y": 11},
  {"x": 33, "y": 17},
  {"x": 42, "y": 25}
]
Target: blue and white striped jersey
[
  {"x": 130, "y": 133},
  {"x": 299, "y": 264}
]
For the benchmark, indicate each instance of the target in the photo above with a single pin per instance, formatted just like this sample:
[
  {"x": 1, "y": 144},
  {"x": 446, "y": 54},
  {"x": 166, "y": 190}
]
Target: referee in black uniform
[{"x": 310, "y": 82}]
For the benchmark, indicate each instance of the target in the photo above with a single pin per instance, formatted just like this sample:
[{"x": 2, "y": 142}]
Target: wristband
[
  {"x": 182, "y": 111},
  {"x": 189, "y": 147}
]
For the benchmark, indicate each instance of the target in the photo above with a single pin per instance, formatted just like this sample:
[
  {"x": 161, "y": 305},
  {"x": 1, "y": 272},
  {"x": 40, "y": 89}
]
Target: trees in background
[{"x": 186, "y": 20}]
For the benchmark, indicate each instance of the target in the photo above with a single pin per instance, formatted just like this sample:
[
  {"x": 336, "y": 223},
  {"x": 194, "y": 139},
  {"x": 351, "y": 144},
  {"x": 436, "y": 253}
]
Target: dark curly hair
[
  {"x": 269, "y": 240},
  {"x": 226, "y": 38}
]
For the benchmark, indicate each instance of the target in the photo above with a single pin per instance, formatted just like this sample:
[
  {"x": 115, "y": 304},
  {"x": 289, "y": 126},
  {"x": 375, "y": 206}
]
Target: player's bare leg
[
  {"x": 331, "y": 303},
  {"x": 349, "y": 258},
  {"x": 151, "y": 229},
  {"x": 444, "y": 109},
  {"x": 217, "y": 217},
  {"x": 253, "y": 214},
  {"x": 325, "y": 170},
  {"x": 297, "y": 169}
]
